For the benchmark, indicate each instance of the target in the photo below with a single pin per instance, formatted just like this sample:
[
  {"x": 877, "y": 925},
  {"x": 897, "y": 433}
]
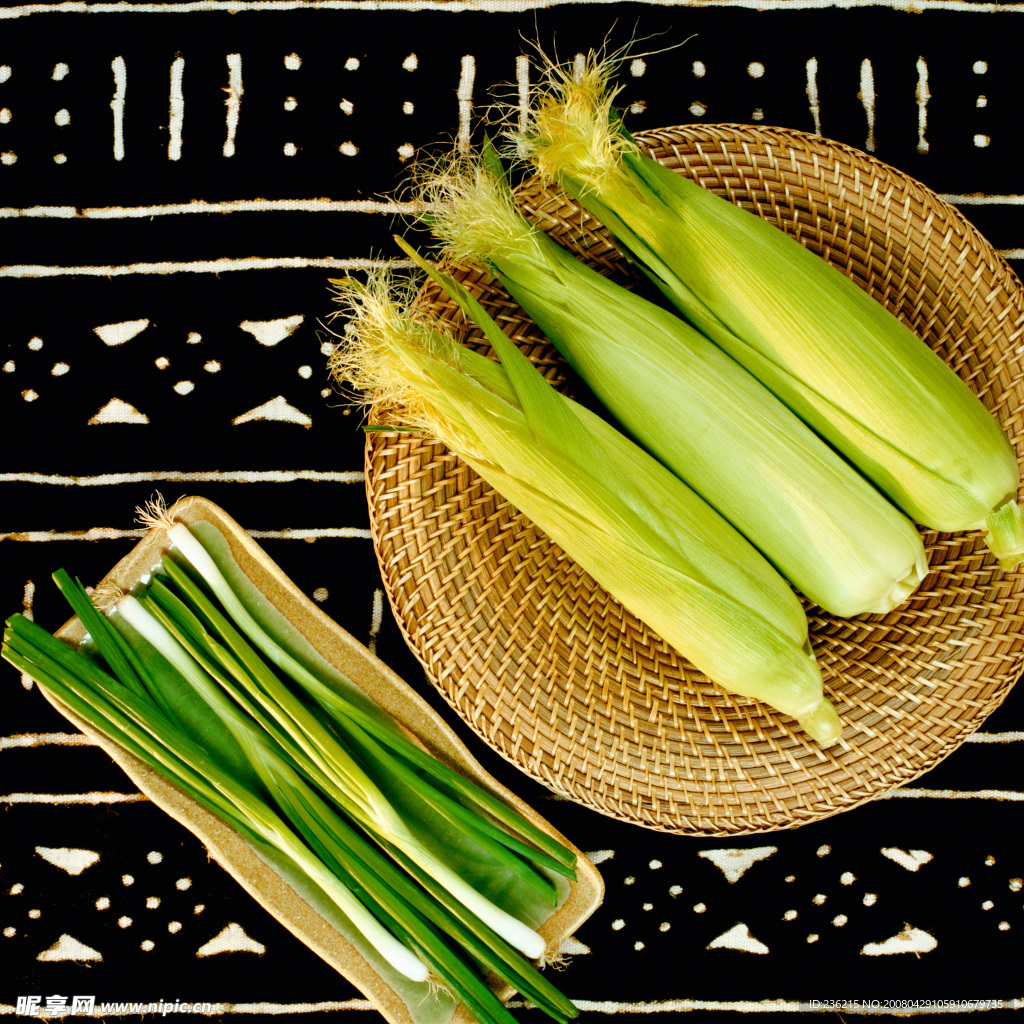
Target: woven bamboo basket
[{"x": 563, "y": 682}]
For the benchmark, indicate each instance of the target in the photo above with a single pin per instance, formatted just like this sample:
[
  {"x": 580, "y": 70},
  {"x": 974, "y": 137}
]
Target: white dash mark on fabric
[
  {"x": 523, "y": 85},
  {"x": 348, "y": 148},
  {"x": 867, "y": 99},
  {"x": 637, "y": 67},
  {"x": 579, "y": 66},
  {"x": 117, "y": 65},
  {"x": 411, "y": 63},
  {"x": 73, "y": 798},
  {"x": 8, "y": 157},
  {"x": 290, "y": 103},
  {"x": 27, "y": 600},
  {"x": 119, "y": 333},
  {"x": 194, "y": 338},
  {"x": 243, "y": 476},
  {"x": 293, "y": 62},
  {"x": 69, "y": 948},
  {"x": 62, "y": 118},
  {"x": 112, "y": 533},
  {"x": 922, "y": 95},
  {"x": 909, "y": 940},
  {"x": 738, "y": 937},
  {"x": 376, "y": 618},
  {"x": 60, "y": 72},
  {"x": 290, "y": 149},
  {"x": 277, "y": 409},
  {"x": 812, "y": 93},
  {"x": 914, "y": 792},
  {"x": 465, "y": 96},
  {"x": 184, "y": 387},
  {"x": 346, "y": 106},
  {"x": 73, "y": 861},
  {"x": 118, "y": 411},
  {"x": 219, "y": 266},
  {"x": 43, "y": 739},
  {"x": 5, "y": 115},
  {"x": 59, "y": 369},
  {"x": 352, "y": 64},
  {"x": 231, "y": 940},
  {"x": 406, "y": 151},
  {"x": 271, "y": 332},
  {"x": 234, "y": 101},
  {"x": 599, "y": 856},
  {"x": 177, "y": 105}
]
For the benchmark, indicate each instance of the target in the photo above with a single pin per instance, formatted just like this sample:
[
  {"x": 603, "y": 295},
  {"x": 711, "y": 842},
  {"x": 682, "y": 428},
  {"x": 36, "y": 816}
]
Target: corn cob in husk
[
  {"x": 849, "y": 368},
  {"x": 648, "y": 539},
  {"x": 824, "y": 527}
]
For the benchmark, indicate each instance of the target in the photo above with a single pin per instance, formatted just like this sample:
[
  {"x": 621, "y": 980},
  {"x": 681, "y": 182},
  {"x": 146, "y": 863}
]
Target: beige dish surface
[
  {"x": 340, "y": 650},
  {"x": 564, "y": 683}
]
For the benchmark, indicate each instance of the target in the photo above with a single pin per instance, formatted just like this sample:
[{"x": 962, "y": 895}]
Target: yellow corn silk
[
  {"x": 642, "y": 534},
  {"x": 818, "y": 521},
  {"x": 850, "y": 369}
]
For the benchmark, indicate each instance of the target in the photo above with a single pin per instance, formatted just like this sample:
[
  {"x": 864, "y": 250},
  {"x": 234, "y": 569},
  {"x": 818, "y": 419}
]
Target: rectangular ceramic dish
[{"x": 340, "y": 657}]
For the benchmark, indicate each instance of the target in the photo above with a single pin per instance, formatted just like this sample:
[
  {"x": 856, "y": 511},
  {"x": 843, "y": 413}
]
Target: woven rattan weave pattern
[{"x": 563, "y": 682}]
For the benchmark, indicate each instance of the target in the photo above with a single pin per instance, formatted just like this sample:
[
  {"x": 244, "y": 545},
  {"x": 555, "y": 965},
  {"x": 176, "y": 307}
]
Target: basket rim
[{"x": 723, "y": 824}]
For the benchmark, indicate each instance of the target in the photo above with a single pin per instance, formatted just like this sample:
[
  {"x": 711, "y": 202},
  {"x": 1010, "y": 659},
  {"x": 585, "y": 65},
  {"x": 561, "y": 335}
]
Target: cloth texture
[{"x": 178, "y": 184}]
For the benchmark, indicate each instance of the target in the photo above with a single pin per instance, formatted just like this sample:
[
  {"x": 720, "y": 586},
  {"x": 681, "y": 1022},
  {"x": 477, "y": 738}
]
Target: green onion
[
  {"x": 196, "y": 701},
  {"x": 637, "y": 529},
  {"x": 854, "y": 372}
]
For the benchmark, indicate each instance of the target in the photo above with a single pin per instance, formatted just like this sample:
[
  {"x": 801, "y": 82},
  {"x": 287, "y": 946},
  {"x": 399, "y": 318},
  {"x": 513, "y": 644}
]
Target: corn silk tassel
[
  {"x": 819, "y": 522},
  {"x": 849, "y": 368},
  {"x": 649, "y": 540}
]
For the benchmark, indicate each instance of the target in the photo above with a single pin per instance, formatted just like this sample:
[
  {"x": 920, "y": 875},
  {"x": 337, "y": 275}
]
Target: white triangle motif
[
  {"x": 118, "y": 334},
  {"x": 910, "y": 940},
  {"x": 276, "y": 409},
  {"x": 738, "y": 937},
  {"x": 270, "y": 332},
  {"x": 911, "y": 860},
  {"x": 68, "y": 859},
  {"x": 231, "y": 940},
  {"x": 116, "y": 411},
  {"x": 69, "y": 948},
  {"x": 734, "y": 862}
]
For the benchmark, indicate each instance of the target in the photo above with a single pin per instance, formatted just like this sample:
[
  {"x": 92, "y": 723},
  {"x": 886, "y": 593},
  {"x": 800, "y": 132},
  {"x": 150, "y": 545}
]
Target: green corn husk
[
  {"x": 817, "y": 520},
  {"x": 642, "y": 534},
  {"x": 853, "y": 371}
]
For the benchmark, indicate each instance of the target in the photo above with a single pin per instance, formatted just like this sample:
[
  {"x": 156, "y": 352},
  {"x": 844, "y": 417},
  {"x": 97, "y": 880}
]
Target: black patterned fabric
[{"x": 178, "y": 183}]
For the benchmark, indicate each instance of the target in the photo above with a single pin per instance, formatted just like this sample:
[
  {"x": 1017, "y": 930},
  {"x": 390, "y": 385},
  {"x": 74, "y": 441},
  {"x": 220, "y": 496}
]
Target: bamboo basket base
[{"x": 559, "y": 679}]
